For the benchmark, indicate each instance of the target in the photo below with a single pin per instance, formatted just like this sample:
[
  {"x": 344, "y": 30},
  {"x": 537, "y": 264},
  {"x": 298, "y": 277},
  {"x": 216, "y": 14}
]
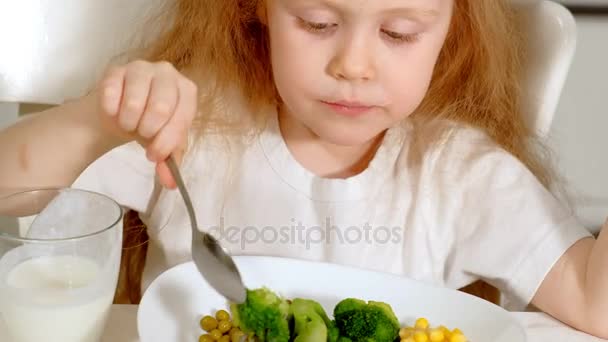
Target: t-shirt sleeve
[
  {"x": 124, "y": 174},
  {"x": 509, "y": 229}
]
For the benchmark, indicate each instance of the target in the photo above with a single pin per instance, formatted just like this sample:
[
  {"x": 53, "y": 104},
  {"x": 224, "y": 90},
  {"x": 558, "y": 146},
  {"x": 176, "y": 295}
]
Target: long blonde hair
[{"x": 476, "y": 81}]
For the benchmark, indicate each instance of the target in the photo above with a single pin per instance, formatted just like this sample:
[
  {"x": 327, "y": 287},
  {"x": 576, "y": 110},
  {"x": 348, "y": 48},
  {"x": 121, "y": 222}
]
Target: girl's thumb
[
  {"x": 164, "y": 173},
  {"x": 164, "y": 176}
]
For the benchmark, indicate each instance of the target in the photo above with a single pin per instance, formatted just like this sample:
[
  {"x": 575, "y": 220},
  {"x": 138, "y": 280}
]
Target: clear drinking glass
[{"x": 60, "y": 255}]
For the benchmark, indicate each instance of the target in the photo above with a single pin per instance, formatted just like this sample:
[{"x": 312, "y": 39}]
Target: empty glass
[{"x": 59, "y": 261}]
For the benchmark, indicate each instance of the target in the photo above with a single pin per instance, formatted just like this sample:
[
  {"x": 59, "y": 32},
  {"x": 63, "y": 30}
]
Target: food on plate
[
  {"x": 358, "y": 320},
  {"x": 268, "y": 317},
  {"x": 263, "y": 314},
  {"x": 220, "y": 328},
  {"x": 272, "y": 318},
  {"x": 423, "y": 331},
  {"x": 310, "y": 322}
]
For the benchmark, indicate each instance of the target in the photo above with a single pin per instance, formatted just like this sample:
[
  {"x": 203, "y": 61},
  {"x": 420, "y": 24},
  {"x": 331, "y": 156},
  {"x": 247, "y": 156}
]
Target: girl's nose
[{"x": 353, "y": 62}]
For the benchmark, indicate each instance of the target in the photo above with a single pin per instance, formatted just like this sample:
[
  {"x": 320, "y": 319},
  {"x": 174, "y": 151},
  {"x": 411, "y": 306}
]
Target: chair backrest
[
  {"x": 55, "y": 49},
  {"x": 551, "y": 46}
]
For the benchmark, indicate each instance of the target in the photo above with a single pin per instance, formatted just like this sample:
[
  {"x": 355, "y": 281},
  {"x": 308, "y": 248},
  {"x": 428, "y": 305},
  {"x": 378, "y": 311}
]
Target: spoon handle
[{"x": 172, "y": 164}]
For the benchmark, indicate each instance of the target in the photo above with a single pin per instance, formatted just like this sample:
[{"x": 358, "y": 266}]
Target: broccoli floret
[
  {"x": 333, "y": 333},
  {"x": 366, "y": 322},
  {"x": 263, "y": 314},
  {"x": 310, "y": 321},
  {"x": 271, "y": 318},
  {"x": 344, "y": 339}
]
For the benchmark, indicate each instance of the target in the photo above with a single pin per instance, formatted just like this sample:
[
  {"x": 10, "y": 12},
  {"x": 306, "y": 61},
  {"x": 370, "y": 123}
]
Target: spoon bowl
[{"x": 212, "y": 261}]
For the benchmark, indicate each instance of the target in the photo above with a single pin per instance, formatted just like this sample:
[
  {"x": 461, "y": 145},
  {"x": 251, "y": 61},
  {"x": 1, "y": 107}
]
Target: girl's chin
[{"x": 348, "y": 139}]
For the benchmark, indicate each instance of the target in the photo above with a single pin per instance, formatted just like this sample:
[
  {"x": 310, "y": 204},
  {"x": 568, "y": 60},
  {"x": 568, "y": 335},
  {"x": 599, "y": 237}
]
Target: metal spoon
[{"x": 211, "y": 260}]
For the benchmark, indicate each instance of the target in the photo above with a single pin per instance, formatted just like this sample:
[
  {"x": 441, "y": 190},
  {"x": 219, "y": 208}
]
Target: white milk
[{"x": 41, "y": 306}]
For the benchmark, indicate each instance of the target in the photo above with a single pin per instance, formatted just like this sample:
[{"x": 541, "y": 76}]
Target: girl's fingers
[
  {"x": 135, "y": 94},
  {"x": 174, "y": 133},
  {"x": 152, "y": 103},
  {"x": 111, "y": 89},
  {"x": 164, "y": 176},
  {"x": 161, "y": 104},
  {"x": 167, "y": 140}
]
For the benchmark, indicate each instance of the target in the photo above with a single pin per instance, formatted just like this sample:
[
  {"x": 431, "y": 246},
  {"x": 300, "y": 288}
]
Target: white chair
[
  {"x": 552, "y": 44},
  {"x": 53, "y": 50}
]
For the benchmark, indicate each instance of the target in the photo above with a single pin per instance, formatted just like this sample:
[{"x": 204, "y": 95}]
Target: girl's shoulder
[{"x": 447, "y": 144}]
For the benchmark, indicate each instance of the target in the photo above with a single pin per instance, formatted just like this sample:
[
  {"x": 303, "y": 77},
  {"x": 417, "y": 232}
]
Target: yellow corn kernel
[
  {"x": 406, "y": 332},
  {"x": 457, "y": 337},
  {"x": 422, "y": 323},
  {"x": 408, "y": 339},
  {"x": 436, "y": 335},
  {"x": 457, "y": 331},
  {"x": 420, "y": 336}
]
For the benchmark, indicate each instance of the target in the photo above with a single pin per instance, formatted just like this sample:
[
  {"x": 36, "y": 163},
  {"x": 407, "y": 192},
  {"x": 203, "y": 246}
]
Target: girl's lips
[{"x": 348, "y": 108}]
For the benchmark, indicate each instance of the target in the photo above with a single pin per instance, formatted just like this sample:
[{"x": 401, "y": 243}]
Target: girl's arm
[
  {"x": 51, "y": 148},
  {"x": 575, "y": 291},
  {"x": 149, "y": 102}
]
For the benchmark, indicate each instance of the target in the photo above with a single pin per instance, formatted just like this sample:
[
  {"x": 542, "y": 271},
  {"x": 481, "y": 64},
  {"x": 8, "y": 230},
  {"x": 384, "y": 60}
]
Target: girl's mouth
[{"x": 348, "y": 108}]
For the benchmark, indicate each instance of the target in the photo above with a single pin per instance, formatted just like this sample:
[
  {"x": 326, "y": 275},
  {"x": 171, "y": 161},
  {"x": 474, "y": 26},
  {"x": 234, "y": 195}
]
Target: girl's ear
[{"x": 261, "y": 12}]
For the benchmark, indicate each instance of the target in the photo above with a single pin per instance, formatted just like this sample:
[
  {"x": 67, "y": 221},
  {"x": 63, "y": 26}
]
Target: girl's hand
[{"x": 151, "y": 103}]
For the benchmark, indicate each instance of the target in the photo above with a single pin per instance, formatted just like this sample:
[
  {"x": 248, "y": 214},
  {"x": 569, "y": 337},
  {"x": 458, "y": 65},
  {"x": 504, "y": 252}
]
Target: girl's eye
[
  {"x": 316, "y": 27},
  {"x": 401, "y": 37}
]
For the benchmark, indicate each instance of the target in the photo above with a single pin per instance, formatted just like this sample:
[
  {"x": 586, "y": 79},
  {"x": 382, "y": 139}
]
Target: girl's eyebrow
[
  {"x": 419, "y": 14},
  {"x": 423, "y": 16},
  {"x": 410, "y": 12}
]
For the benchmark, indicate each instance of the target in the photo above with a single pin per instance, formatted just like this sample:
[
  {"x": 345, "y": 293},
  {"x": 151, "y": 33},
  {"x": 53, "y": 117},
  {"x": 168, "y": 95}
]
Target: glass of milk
[{"x": 60, "y": 255}]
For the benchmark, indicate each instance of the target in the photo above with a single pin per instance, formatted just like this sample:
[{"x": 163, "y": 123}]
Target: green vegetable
[
  {"x": 366, "y": 322},
  {"x": 263, "y": 314},
  {"x": 271, "y": 318},
  {"x": 310, "y": 321},
  {"x": 333, "y": 333},
  {"x": 344, "y": 339}
]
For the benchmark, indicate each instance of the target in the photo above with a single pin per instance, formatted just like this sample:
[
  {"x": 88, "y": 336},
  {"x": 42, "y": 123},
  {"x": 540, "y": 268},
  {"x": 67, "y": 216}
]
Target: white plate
[{"x": 172, "y": 306}]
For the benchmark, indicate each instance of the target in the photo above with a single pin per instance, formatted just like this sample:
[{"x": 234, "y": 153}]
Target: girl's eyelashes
[
  {"x": 401, "y": 37},
  {"x": 326, "y": 27},
  {"x": 316, "y": 27}
]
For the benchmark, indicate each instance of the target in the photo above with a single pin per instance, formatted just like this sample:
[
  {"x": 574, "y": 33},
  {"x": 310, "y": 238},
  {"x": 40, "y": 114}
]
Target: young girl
[{"x": 382, "y": 134}]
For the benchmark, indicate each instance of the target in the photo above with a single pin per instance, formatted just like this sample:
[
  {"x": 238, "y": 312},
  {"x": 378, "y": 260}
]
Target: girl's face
[{"x": 349, "y": 69}]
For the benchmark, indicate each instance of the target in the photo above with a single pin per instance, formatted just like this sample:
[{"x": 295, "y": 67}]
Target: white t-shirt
[{"x": 462, "y": 211}]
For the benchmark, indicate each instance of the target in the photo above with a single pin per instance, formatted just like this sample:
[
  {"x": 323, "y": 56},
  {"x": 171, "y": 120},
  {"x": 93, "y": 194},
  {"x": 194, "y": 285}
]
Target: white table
[{"x": 122, "y": 327}]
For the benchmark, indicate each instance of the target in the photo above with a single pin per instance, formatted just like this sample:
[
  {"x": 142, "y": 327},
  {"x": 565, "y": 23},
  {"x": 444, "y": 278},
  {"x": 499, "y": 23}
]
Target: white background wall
[{"x": 579, "y": 134}]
